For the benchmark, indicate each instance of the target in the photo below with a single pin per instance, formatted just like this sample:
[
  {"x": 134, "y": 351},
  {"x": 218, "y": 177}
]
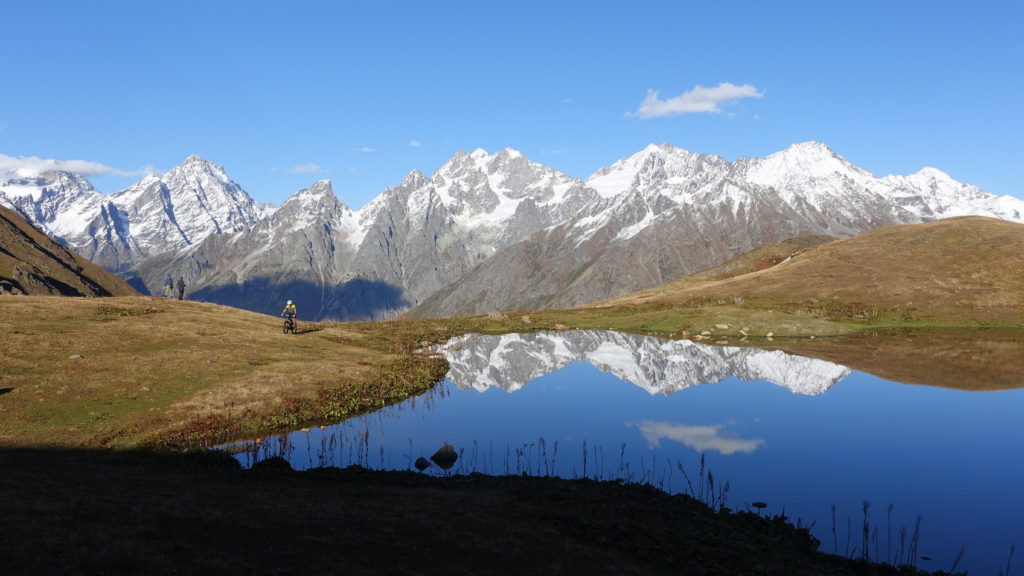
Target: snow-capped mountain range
[
  {"x": 157, "y": 214},
  {"x": 483, "y": 232},
  {"x": 658, "y": 366},
  {"x": 665, "y": 212}
]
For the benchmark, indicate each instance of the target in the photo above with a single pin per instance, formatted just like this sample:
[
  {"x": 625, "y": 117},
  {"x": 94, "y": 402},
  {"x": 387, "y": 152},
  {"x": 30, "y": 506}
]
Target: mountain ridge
[{"x": 648, "y": 218}]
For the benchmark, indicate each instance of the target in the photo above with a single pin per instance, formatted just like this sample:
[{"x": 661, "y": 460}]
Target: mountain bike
[{"x": 289, "y": 324}]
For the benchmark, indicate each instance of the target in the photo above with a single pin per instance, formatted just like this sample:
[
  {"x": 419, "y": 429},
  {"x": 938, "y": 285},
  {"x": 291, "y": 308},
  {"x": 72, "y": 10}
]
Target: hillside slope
[
  {"x": 117, "y": 371},
  {"x": 32, "y": 263},
  {"x": 760, "y": 258},
  {"x": 967, "y": 267}
]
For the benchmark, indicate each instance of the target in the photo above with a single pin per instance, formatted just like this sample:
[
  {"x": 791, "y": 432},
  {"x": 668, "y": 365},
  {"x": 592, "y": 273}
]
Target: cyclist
[{"x": 290, "y": 312}]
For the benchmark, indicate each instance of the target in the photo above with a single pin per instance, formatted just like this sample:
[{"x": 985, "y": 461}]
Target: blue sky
[{"x": 284, "y": 94}]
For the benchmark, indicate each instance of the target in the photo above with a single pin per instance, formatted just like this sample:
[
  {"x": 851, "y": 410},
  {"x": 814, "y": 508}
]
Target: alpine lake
[{"x": 915, "y": 456}]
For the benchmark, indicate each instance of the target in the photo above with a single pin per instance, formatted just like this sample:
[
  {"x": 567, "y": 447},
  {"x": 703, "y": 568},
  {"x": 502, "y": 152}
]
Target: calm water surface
[{"x": 799, "y": 434}]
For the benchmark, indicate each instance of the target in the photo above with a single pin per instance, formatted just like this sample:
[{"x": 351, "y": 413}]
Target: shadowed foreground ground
[{"x": 119, "y": 512}]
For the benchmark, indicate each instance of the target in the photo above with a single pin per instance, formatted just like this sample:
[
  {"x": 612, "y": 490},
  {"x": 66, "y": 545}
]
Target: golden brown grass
[
  {"x": 760, "y": 258},
  {"x": 82, "y": 371},
  {"x": 959, "y": 271}
]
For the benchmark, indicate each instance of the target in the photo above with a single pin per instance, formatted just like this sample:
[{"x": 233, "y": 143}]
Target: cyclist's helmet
[{"x": 289, "y": 302}]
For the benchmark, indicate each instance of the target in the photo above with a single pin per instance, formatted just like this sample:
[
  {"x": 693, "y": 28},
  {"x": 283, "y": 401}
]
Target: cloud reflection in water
[{"x": 700, "y": 438}]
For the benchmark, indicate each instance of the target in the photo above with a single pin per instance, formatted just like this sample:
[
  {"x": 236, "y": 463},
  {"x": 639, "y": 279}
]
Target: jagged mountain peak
[
  {"x": 506, "y": 156},
  {"x": 931, "y": 179},
  {"x": 931, "y": 193},
  {"x": 151, "y": 177},
  {"x": 810, "y": 170},
  {"x": 649, "y": 153},
  {"x": 479, "y": 181},
  {"x": 195, "y": 176},
  {"x": 323, "y": 186},
  {"x": 310, "y": 212},
  {"x": 654, "y": 166},
  {"x": 510, "y": 153},
  {"x": 482, "y": 155},
  {"x": 197, "y": 160},
  {"x": 664, "y": 147},
  {"x": 196, "y": 166},
  {"x": 52, "y": 199},
  {"x": 320, "y": 191},
  {"x": 414, "y": 179},
  {"x": 803, "y": 159},
  {"x": 809, "y": 147},
  {"x": 665, "y": 153},
  {"x": 931, "y": 173},
  {"x": 478, "y": 160}
]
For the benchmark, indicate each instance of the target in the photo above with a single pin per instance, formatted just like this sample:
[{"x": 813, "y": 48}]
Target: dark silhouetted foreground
[{"x": 114, "y": 512}]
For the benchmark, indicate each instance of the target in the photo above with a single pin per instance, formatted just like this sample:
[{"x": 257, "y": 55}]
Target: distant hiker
[
  {"x": 169, "y": 287},
  {"x": 290, "y": 312},
  {"x": 181, "y": 287}
]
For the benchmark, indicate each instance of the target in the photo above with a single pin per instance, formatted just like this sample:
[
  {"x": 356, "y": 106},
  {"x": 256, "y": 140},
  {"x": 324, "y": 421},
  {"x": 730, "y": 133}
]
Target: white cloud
[
  {"x": 567, "y": 100},
  {"x": 700, "y": 438},
  {"x": 700, "y": 99},
  {"x": 414, "y": 143},
  {"x": 367, "y": 149},
  {"x": 29, "y": 166},
  {"x": 307, "y": 169}
]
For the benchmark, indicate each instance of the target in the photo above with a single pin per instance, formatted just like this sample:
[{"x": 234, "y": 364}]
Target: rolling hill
[{"x": 966, "y": 270}]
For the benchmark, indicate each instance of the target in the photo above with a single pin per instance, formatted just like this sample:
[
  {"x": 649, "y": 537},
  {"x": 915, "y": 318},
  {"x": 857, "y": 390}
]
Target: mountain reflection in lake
[{"x": 798, "y": 433}]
